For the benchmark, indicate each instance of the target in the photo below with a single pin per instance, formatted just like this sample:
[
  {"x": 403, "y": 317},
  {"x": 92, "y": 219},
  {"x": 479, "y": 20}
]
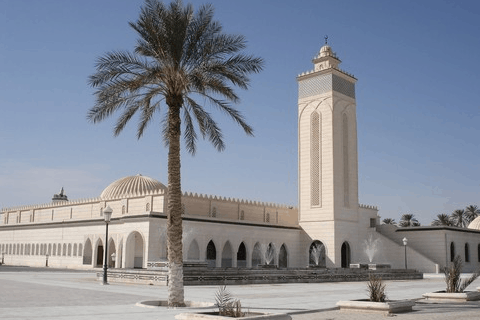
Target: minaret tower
[{"x": 327, "y": 143}]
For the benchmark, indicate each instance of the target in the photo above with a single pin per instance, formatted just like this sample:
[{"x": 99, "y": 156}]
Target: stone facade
[{"x": 329, "y": 228}]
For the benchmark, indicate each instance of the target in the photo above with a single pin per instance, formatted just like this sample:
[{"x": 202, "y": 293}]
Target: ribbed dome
[
  {"x": 325, "y": 51},
  {"x": 475, "y": 224},
  {"x": 132, "y": 186}
]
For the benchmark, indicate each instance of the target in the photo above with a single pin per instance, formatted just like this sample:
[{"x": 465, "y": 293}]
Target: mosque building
[{"x": 229, "y": 232}]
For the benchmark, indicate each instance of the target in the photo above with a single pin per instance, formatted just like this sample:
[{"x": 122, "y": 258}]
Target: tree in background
[
  {"x": 408, "y": 220},
  {"x": 389, "y": 221},
  {"x": 442, "y": 219},
  {"x": 182, "y": 61},
  {"x": 460, "y": 218},
  {"x": 472, "y": 212}
]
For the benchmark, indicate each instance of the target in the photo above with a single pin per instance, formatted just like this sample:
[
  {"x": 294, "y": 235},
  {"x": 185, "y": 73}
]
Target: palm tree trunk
[{"x": 174, "y": 219}]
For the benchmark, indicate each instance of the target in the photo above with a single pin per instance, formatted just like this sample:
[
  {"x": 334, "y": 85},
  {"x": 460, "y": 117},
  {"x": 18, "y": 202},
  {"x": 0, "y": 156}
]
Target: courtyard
[{"x": 44, "y": 293}]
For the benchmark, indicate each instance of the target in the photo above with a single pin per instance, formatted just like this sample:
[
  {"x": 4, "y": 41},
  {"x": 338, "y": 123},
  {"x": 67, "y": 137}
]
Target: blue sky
[{"x": 418, "y": 94}]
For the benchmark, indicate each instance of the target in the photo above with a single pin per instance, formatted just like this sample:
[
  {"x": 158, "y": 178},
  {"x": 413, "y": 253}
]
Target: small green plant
[
  {"x": 226, "y": 304},
  {"x": 452, "y": 277},
  {"x": 376, "y": 289}
]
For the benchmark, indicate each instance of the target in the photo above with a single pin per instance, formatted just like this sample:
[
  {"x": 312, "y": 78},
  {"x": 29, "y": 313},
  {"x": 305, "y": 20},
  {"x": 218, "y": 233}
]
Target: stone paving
[{"x": 36, "y": 293}]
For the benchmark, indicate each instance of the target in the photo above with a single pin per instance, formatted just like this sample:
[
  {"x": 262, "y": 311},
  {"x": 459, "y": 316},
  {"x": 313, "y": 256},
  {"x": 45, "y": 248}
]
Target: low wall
[{"x": 233, "y": 276}]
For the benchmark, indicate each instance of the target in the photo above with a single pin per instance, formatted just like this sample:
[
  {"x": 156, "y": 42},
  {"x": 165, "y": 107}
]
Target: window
[
  {"x": 147, "y": 207},
  {"x": 373, "y": 222},
  {"x": 452, "y": 251},
  {"x": 467, "y": 253},
  {"x": 214, "y": 212},
  {"x": 242, "y": 217}
]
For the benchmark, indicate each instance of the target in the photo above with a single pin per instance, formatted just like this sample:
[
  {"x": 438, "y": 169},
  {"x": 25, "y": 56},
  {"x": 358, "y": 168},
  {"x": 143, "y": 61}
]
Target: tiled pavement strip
[{"x": 27, "y": 293}]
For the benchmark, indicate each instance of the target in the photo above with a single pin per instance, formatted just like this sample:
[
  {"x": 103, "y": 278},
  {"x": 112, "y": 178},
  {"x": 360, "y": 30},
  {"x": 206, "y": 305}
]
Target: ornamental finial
[{"x": 326, "y": 39}]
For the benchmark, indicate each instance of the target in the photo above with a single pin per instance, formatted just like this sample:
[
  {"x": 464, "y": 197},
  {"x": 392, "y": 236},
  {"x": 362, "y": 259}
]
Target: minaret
[
  {"x": 327, "y": 143},
  {"x": 61, "y": 197}
]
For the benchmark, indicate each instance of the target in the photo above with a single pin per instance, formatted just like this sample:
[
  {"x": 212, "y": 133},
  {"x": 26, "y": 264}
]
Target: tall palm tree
[
  {"x": 389, "y": 221},
  {"x": 408, "y": 220},
  {"x": 442, "y": 219},
  {"x": 472, "y": 211},
  {"x": 460, "y": 218},
  {"x": 181, "y": 61}
]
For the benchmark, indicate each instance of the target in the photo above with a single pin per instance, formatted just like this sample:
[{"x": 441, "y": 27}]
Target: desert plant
[
  {"x": 226, "y": 304},
  {"x": 452, "y": 277},
  {"x": 376, "y": 289}
]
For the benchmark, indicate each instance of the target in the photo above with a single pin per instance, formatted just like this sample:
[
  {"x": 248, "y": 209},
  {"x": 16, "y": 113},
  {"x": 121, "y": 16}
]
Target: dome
[
  {"x": 325, "y": 51},
  {"x": 475, "y": 224},
  {"x": 132, "y": 186}
]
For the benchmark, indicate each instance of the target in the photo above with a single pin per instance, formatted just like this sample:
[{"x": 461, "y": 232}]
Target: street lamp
[
  {"x": 46, "y": 260},
  {"x": 405, "y": 246},
  {"x": 107, "y": 214},
  {"x": 3, "y": 257}
]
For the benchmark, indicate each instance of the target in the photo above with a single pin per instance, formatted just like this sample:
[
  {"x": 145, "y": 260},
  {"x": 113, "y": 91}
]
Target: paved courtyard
[{"x": 36, "y": 293}]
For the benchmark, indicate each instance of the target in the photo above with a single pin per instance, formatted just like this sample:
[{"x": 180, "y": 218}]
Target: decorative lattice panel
[
  {"x": 315, "y": 166},
  {"x": 346, "y": 181},
  {"x": 343, "y": 86},
  {"x": 314, "y": 86}
]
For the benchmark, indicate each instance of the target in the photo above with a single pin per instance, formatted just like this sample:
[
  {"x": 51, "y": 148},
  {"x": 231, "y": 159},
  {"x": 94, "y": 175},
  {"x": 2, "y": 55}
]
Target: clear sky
[{"x": 418, "y": 102}]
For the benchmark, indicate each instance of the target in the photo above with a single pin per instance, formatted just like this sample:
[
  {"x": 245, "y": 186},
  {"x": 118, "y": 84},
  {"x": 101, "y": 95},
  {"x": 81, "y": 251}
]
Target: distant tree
[
  {"x": 460, "y": 218},
  {"x": 443, "y": 219},
  {"x": 389, "y": 221},
  {"x": 408, "y": 220},
  {"x": 472, "y": 211}
]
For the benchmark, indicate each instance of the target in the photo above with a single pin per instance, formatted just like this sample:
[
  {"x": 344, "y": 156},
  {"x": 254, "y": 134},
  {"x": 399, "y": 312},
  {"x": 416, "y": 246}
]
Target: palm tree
[
  {"x": 443, "y": 219},
  {"x": 389, "y": 221},
  {"x": 460, "y": 218},
  {"x": 472, "y": 211},
  {"x": 181, "y": 60},
  {"x": 408, "y": 220}
]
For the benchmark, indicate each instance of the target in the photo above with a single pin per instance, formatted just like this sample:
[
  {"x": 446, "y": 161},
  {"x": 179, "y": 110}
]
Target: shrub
[
  {"x": 376, "y": 289},
  {"x": 226, "y": 304},
  {"x": 452, "y": 277}
]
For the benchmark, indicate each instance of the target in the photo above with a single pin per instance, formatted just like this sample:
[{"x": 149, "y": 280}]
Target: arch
[
  {"x": 87, "y": 252},
  {"x": 37, "y": 249},
  {"x": 193, "y": 252},
  {"x": 111, "y": 251},
  {"x": 80, "y": 249},
  {"x": 69, "y": 253},
  {"x": 452, "y": 251},
  {"x": 283, "y": 257},
  {"x": 54, "y": 249},
  {"x": 99, "y": 253},
  {"x": 316, "y": 254},
  {"x": 467, "y": 253},
  {"x": 227, "y": 255},
  {"x": 49, "y": 251},
  {"x": 256, "y": 255},
  {"x": 64, "y": 253},
  {"x": 211, "y": 254},
  {"x": 59, "y": 249},
  {"x": 134, "y": 250},
  {"x": 74, "y": 250},
  {"x": 214, "y": 212},
  {"x": 270, "y": 253},
  {"x": 345, "y": 263},
  {"x": 242, "y": 256}
]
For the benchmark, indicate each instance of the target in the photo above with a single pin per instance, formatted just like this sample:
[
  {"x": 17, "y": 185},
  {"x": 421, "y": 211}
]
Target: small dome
[
  {"x": 326, "y": 51},
  {"x": 132, "y": 186},
  {"x": 475, "y": 224}
]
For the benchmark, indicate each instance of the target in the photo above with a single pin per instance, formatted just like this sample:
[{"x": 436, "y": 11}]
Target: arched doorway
[
  {"x": 242, "y": 256},
  {"x": 99, "y": 261},
  {"x": 256, "y": 255},
  {"x": 211, "y": 255},
  {"x": 283, "y": 257},
  {"x": 227, "y": 255},
  {"x": 452, "y": 251},
  {"x": 316, "y": 254},
  {"x": 134, "y": 251},
  {"x": 193, "y": 251},
  {"x": 111, "y": 252},
  {"x": 345, "y": 255}
]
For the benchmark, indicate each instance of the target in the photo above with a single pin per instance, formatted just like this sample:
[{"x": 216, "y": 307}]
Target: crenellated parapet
[
  {"x": 367, "y": 206},
  {"x": 51, "y": 204},
  {"x": 236, "y": 200}
]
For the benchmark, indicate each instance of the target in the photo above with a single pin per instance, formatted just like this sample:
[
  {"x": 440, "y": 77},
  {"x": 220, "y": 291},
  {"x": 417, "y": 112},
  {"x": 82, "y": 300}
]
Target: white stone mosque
[{"x": 228, "y": 232}]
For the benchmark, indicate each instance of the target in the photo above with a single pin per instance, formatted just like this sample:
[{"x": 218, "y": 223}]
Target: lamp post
[
  {"x": 405, "y": 240},
  {"x": 3, "y": 257},
  {"x": 107, "y": 214},
  {"x": 46, "y": 260}
]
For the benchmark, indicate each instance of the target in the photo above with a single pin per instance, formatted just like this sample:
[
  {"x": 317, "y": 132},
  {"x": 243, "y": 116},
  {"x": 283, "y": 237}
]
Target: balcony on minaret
[{"x": 326, "y": 59}]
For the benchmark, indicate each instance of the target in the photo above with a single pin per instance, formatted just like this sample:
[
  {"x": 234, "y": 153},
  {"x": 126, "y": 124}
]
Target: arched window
[
  {"x": 346, "y": 171},
  {"x": 214, "y": 212},
  {"x": 74, "y": 250},
  {"x": 345, "y": 255},
  {"x": 315, "y": 159},
  {"x": 267, "y": 218},
  {"x": 452, "y": 251},
  {"x": 242, "y": 256},
  {"x": 211, "y": 254},
  {"x": 147, "y": 207},
  {"x": 283, "y": 257},
  {"x": 467, "y": 253},
  {"x": 242, "y": 215},
  {"x": 316, "y": 254}
]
